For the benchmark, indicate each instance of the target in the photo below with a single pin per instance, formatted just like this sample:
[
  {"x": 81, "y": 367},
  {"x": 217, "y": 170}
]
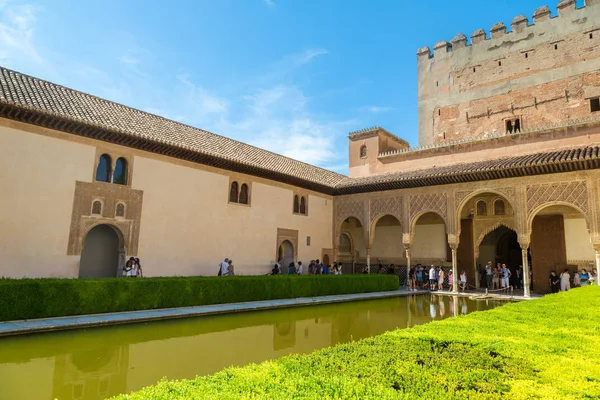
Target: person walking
[
  {"x": 299, "y": 269},
  {"x": 291, "y": 269},
  {"x": 441, "y": 279},
  {"x": 565, "y": 280}
]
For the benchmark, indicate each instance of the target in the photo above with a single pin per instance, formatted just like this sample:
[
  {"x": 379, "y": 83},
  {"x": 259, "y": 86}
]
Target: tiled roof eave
[
  {"x": 470, "y": 176},
  {"x": 70, "y": 125}
]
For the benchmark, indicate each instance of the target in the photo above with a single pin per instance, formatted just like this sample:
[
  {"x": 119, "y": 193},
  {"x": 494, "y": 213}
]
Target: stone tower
[{"x": 537, "y": 74}]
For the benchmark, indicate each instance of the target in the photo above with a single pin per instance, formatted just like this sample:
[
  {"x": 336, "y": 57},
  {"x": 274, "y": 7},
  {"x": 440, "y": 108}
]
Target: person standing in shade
[
  {"x": 291, "y": 269},
  {"x": 411, "y": 279},
  {"x": 565, "y": 280},
  {"x": 584, "y": 278},
  {"x": 441, "y": 279},
  {"x": 451, "y": 280},
  {"x": 489, "y": 274},
  {"x": 505, "y": 276},
  {"x": 432, "y": 281},
  {"x": 299, "y": 269},
  {"x": 463, "y": 280},
  {"x": 139, "y": 268},
  {"x": 576, "y": 280},
  {"x": 554, "y": 282}
]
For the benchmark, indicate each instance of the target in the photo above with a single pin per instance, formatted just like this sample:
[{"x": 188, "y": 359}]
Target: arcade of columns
[{"x": 527, "y": 196}]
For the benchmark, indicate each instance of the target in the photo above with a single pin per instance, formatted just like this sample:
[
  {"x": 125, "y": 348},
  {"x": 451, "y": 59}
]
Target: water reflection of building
[
  {"x": 91, "y": 373},
  {"x": 284, "y": 335}
]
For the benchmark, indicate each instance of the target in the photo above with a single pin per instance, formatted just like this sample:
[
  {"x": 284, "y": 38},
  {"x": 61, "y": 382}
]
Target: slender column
[
  {"x": 526, "y": 283},
  {"x": 369, "y": 260},
  {"x": 407, "y": 248},
  {"x": 454, "y": 271},
  {"x": 476, "y": 267}
]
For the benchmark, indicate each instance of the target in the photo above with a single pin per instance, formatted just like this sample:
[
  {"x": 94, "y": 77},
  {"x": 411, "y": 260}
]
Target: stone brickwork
[{"x": 540, "y": 73}]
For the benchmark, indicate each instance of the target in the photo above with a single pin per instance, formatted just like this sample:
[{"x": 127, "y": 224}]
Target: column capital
[
  {"x": 524, "y": 240},
  {"x": 453, "y": 241},
  {"x": 407, "y": 239}
]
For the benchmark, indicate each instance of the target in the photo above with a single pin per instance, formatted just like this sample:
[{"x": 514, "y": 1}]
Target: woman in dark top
[{"x": 554, "y": 282}]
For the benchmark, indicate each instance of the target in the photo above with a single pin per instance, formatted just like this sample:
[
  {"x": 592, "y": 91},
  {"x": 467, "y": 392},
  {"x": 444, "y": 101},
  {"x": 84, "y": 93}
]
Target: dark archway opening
[
  {"x": 500, "y": 246},
  {"x": 100, "y": 254}
]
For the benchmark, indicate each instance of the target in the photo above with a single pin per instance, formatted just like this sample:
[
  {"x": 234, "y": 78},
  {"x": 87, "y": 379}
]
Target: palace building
[{"x": 508, "y": 170}]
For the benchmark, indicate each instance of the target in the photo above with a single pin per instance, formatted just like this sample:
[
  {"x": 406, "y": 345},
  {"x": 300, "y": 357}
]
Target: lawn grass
[
  {"x": 42, "y": 298},
  {"x": 546, "y": 349}
]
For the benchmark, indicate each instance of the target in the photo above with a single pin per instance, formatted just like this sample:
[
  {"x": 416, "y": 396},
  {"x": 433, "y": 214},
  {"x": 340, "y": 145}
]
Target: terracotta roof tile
[{"x": 32, "y": 93}]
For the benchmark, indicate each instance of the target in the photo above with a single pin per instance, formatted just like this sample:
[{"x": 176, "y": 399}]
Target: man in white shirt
[
  {"x": 299, "y": 268},
  {"x": 224, "y": 267}
]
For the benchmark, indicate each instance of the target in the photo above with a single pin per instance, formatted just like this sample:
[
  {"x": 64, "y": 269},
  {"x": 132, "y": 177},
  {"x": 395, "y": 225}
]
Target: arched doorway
[
  {"x": 100, "y": 254},
  {"x": 352, "y": 250},
  {"x": 285, "y": 254},
  {"x": 500, "y": 246},
  {"x": 325, "y": 260},
  {"x": 559, "y": 240}
]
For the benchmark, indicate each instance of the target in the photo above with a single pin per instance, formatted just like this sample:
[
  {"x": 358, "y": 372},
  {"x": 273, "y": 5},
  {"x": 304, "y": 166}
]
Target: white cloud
[
  {"x": 377, "y": 109},
  {"x": 308, "y": 55},
  {"x": 17, "y": 23},
  {"x": 260, "y": 110}
]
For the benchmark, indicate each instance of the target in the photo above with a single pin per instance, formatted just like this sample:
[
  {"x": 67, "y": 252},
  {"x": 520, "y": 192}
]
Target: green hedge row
[
  {"x": 543, "y": 349},
  {"x": 41, "y": 298}
]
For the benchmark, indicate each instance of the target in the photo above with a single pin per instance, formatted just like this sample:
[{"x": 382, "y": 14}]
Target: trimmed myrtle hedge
[
  {"x": 545, "y": 349},
  {"x": 41, "y": 298}
]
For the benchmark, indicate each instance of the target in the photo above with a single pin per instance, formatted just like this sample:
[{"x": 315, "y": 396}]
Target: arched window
[
  {"x": 233, "y": 193},
  {"x": 363, "y": 151},
  {"x": 96, "y": 208},
  {"x": 244, "y": 194},
  {"x": 104, "y": 168},
  {"x": 120, "y": 176},
  {"x": 302, "y": 205},
  {"x": 499, "y": 207},
  {"x": 296, "y": 204},
  {"x": 120, "y": 210},
  {"x": 481, "y": 208}
]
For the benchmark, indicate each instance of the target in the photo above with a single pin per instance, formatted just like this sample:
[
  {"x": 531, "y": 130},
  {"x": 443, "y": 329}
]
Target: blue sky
[{"x": 291, "y": 76}]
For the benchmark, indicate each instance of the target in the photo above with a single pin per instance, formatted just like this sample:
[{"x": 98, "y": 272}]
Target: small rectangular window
[
  {"x": 308, "y": 240},
  {"x": 555, "y": 47},
  {"x": 595, "y": 104}
]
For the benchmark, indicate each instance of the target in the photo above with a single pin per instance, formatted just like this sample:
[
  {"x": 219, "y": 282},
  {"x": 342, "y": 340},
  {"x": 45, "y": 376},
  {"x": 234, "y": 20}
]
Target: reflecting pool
[{"x": 100, "y": 362}]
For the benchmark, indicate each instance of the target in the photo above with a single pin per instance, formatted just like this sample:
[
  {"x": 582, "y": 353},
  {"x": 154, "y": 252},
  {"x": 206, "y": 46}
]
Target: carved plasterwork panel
[
  {"x": 435, "y": 202},
  {"x": 390, "y": 205},
  {"x": 509, "y": 193},
  {"x": 110, "y": 196},
  {"x": 574, "y": 193},
  {"x": 352, "y": 208}
]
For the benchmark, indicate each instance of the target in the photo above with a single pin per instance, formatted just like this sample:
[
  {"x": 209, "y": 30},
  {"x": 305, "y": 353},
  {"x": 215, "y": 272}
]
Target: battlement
[{"x": 520, "y": 26}]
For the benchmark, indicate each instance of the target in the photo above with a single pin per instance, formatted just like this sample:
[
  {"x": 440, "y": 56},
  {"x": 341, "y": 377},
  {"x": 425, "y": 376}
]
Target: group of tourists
[
  {"x": 501, "y": 277},
  {"x": 132, "y": 268},
  {"x": 315, "y": 267},
  {"x": 433, "y": 278},
  {"x": 562, "y": 283}
]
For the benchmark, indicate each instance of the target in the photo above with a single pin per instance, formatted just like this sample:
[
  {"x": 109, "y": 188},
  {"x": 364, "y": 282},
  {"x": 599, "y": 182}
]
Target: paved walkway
[{"x": 86, "y": 321}]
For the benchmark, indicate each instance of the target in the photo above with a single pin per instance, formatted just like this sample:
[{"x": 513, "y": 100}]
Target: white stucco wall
[
  {"x": 577, "y": 240},
  {"x": 188, "y": 226},
  {"x": 429, "y": 241},
  {"x": 37, "y": 181}
]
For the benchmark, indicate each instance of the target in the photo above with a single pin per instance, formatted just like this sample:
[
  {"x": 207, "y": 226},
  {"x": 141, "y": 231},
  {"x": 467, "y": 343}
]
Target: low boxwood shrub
[
  {"x": 41, "y": 298},
  {"x": 542, "y": 349}
]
